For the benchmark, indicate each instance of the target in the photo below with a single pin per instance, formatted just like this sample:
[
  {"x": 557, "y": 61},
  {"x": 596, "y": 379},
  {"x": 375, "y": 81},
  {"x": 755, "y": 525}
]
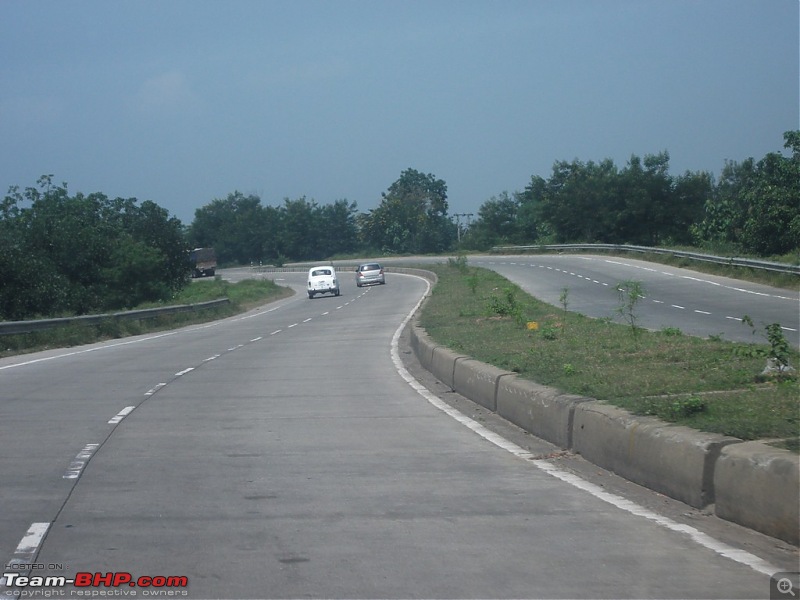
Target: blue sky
[{"x": 181, "y": 102}]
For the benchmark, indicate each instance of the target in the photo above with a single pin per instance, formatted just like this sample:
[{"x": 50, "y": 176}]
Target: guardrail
[
  {"x": 340, "y": 266},
  {"x": 17, "y": 327},
  {"x": 733, "y": 261}
]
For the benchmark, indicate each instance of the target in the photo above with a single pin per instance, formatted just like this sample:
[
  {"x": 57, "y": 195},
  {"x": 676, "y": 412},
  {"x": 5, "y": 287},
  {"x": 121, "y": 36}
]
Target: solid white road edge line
[{"x": 735, "y": 554}]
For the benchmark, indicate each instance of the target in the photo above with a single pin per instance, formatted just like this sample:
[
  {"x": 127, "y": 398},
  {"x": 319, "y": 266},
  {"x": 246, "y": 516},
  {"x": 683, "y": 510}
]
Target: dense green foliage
[
  {"x": 62, "y": 254},
  {"x": 753, "y": 209},
  {"x": 756, "y": 206},
  {"x": 412, "y": 217},
  {"x": 243, "y": 231}
]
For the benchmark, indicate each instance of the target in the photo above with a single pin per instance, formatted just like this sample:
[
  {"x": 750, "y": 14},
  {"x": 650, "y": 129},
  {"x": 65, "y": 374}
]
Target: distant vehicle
[
  {"x": 203, "y": 261},
  {"x": 369, "y": 273},
  {"x": 322, "y": 280}
]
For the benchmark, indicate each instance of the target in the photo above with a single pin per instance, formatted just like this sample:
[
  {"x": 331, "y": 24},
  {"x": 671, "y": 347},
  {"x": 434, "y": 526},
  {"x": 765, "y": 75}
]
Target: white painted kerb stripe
[
  {"x": 26, "y": 550},
  {"x": 153, "y": 390},
  {"x": 30, "y": 542},
  {"x": 77, "y": 465},
  {"x": 121, "y": 415}
]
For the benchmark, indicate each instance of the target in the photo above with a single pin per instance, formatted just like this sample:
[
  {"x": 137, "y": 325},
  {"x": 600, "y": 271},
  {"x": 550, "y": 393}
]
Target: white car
[{"x": 322, "y": 280}]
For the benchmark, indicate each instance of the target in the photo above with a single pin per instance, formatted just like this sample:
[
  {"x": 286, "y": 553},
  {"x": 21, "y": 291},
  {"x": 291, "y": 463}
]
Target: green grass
[
  {"x": 712, "y": 385},
  {"x": 243, "y": 296}
]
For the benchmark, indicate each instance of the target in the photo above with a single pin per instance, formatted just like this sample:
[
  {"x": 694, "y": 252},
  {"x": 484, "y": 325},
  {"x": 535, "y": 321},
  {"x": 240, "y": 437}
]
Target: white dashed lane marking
[{"x": 29, "y": 546}]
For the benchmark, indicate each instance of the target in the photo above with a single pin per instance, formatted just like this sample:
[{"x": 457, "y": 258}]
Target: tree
[
  {"x": 301, "y": 229},
  {"x": 234, "y": 226},
  {"x": 689, "y": 194},
  {"x": 83, "y": 253},
  {"x": 755, "y": 207},
  {"x": 646, "y": 190},
  {"x": 531, "y": 225},
  {"x": 596, "y": 202},
  {"x": 772, "y": 225},
  {"x": 412, "y": 216},
  {"x": 498, "y": 222},
  {"x": 338, "y": 232},
  {"x": 153, "y": 232},
  {"x": 724, "y": 211},
  {"x": 580, "y": 201}
]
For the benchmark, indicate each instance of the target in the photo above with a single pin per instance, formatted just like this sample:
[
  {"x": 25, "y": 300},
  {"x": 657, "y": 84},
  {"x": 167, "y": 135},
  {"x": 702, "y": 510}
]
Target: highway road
[
  {"x": 696, "y": 303},
  {"x": 284, "y": 453}
]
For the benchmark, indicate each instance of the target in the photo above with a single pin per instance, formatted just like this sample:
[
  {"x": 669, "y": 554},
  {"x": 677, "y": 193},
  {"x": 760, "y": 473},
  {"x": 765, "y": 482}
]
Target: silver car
[{"x": 369, "y": 273}]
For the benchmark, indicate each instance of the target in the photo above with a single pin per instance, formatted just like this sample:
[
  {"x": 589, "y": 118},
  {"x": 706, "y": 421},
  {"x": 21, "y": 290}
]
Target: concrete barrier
[
  {"x": 543, "y": 411},
  {"x": 478, "y": 381},
  {"x": 423, "y": 347},
  {"x": 414, "y": 333},
  {"x": 758, "y": 486},
  {"x": 674, "y": 460},
  {"x": 443, "y": 363},
  {"x": 749, "y": 483}
]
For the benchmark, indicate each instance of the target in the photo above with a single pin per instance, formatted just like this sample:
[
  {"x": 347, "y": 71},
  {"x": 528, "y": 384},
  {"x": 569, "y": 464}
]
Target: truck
[{"x": 203, "y": 261}]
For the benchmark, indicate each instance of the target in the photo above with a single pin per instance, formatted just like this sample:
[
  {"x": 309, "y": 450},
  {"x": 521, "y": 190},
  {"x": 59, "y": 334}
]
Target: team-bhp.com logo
[{"x": 91, "y": 584}]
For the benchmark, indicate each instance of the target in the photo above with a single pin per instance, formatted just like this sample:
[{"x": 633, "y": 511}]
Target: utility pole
[{"x": 458, "y": 222}]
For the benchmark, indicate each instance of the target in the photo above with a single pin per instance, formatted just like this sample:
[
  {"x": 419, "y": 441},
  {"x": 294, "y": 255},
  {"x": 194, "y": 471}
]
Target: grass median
[{"x": 709, "y": 384}]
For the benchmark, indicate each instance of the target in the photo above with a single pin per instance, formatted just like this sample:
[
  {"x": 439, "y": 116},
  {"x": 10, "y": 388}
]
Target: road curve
[
  {"x": 282, "y": 453},
  {"x": 695, "y": 303}
]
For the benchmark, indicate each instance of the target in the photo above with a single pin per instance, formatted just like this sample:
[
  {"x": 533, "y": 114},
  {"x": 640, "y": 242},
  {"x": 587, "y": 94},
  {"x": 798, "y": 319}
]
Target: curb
[
  {"x": 543, "y": 411},
  {"x": 748, "y": 483},
  {"x": 758, "y": 486},
  {"x": 670, "y": 459}
]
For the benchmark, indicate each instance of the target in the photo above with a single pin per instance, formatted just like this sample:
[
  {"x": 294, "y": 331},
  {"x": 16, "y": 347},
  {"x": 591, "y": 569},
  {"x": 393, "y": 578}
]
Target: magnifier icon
[{"x": 785, "y": 587}]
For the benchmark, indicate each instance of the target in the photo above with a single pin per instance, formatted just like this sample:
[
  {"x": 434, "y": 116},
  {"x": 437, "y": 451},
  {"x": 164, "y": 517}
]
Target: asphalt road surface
[
  {"x": 696, "y": 303},
  {"x": 284, "y": 454}
]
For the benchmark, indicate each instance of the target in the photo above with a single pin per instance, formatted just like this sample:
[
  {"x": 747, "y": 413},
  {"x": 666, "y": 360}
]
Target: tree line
[
  {"x": 754, "y": 208},
  {"x": 68, "y": 255},
  {"x": 62, "y": 254},
  {"x": 411, "y": 218}
]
